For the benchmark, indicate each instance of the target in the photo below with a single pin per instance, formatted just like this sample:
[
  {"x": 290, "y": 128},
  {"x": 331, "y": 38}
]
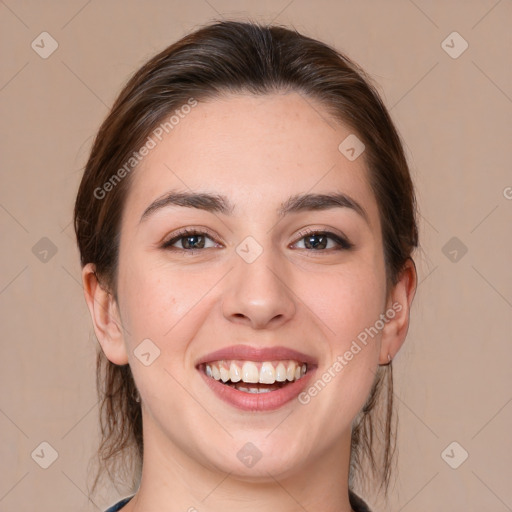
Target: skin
[{"x": 257, "y": 151}]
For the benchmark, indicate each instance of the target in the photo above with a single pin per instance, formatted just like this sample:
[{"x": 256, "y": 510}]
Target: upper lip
[{"x": 248, "y": 353}]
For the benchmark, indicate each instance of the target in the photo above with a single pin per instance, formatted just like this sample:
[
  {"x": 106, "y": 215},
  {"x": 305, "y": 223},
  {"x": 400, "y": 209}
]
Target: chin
[{"x": 257, "y": 458}]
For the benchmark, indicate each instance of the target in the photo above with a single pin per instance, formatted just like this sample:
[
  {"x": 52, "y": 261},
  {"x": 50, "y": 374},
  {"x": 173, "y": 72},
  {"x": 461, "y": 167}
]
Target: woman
[{"x": 245, "y": 222}]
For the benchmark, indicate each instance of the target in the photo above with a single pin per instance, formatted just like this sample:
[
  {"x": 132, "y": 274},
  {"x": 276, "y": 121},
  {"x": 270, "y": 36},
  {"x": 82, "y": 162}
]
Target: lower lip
[{"x": 268, "y": 401}]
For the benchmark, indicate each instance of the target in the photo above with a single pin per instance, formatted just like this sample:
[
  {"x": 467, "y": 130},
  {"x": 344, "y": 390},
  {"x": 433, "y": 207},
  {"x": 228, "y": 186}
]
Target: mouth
[
  {"x": 256, "y": 379},
  {"x": 253, "y": 376}
]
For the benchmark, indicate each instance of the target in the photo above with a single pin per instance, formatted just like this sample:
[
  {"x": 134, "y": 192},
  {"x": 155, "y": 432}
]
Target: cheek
[
  {"x": 349, "y": 304},
  {"x": 346, "y": 302},
  {"x": 349, "y": 307},
  {"x": 164, "y": 305},
  {"x": 161, "y": 320}
]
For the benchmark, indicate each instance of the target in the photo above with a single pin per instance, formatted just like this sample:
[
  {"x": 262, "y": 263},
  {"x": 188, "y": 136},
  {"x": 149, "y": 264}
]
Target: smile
[{"x": 256, "y": 377}]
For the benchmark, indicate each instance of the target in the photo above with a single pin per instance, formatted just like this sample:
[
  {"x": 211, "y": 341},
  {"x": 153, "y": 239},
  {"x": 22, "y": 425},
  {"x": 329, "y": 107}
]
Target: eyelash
[
  {"x": 343, "y": 243},
  {"x": 184, "y": 234}
]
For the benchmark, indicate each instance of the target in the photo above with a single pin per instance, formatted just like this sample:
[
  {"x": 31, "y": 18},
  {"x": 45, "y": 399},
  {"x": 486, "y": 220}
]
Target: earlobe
[
  {"x": 398, "y": 312},
  {"x": 105, "y": 317}
]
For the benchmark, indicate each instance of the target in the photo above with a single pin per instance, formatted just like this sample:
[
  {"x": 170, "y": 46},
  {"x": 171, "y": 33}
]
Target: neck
[{"x": 173, "y": 480}]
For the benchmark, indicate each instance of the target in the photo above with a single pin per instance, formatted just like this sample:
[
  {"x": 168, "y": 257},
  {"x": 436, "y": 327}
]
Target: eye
[
  {"x": 318, "y": 240},
  {"x": 314, "y": 240},
  {"x": 190, "y": 240}
]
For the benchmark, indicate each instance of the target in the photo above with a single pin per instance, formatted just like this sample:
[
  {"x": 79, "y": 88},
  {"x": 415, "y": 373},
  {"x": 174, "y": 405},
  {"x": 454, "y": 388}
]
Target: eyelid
[
  {"x": 340, "y": 238},
  {"x": 183, "y": 232}
]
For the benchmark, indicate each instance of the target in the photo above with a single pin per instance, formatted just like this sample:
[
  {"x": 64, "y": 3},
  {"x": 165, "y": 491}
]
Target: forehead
[{"x": 257, "y": 150}]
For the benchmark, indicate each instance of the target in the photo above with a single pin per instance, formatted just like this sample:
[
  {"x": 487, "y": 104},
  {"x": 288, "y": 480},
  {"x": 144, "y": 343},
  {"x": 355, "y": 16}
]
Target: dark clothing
[
  {"x": 119, "y": 505},
  {"x": 355, "y": 502}
]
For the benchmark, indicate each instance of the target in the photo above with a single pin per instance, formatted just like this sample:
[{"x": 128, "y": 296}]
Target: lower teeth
[{"x": 255, "y": 389}]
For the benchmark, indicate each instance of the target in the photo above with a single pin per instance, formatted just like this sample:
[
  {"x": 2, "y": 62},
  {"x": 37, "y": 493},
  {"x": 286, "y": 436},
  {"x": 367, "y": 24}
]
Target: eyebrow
[{"x": 217, "y": 203}]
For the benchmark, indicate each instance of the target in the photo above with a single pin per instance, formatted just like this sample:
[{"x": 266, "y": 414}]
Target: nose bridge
[{"x": 258, "y": 292}]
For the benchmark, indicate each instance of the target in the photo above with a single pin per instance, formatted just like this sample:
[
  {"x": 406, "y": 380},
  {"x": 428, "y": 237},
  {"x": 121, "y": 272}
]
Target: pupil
[
  {"x": 190, "y": 245},
  {"x": 319, "y": 244}
]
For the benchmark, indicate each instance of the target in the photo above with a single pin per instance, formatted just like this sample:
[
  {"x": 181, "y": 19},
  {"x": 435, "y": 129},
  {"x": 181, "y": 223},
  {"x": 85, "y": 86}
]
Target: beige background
[{"x": 454, "y": 374}]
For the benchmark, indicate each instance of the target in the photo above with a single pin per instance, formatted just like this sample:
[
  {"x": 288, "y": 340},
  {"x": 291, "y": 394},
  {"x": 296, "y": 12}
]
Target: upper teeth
[{"x": 252, "y": 372}]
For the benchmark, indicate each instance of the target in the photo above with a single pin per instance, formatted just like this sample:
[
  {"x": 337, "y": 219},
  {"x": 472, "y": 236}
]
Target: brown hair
[{"x": 240, "y": 57}]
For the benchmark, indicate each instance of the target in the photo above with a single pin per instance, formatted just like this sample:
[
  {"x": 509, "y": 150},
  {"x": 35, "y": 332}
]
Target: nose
[{"x": 258, "y": 294}]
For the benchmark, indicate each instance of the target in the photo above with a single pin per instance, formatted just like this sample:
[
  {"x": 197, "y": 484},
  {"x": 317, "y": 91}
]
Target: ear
[
  {"x": 105, "y": 317},
  {"x": 399, "y": 302}
]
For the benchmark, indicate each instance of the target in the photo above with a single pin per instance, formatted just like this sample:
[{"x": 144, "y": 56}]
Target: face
[{"x": 253, "y": 287}]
